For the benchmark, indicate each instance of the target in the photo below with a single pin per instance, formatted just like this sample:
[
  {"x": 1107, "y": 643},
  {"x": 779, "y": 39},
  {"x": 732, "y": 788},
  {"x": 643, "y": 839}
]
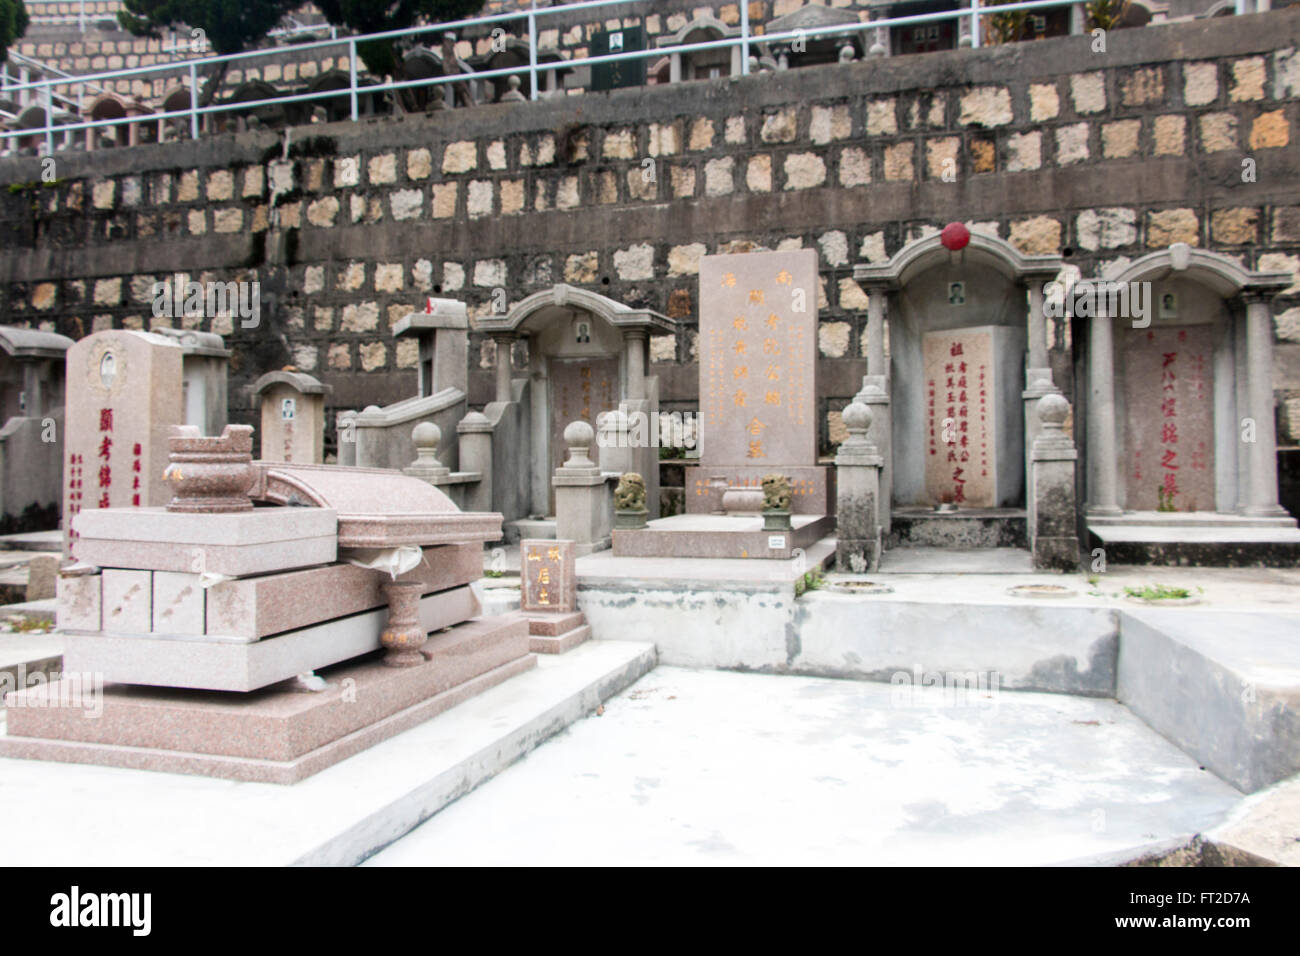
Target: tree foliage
[
  {"x": 229, "y": 26},
  {"x": 13, "y": 24},
  {"x": 375, "y": 16}
]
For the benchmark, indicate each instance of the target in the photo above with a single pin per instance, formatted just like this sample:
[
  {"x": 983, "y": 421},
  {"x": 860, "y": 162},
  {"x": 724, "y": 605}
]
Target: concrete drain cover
[
  {"x": 1041, "y": 591},
  {"x": 857, "y": 587}
]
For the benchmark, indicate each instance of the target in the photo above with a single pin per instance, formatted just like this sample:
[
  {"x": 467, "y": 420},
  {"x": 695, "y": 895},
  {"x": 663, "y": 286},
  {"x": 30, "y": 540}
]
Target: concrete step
[
  {"x": 936, "y": 560},
  {"x": 965, "y": 528},
  {"x": 340, "y": 816},
  {"x": 1223, "y": 685}
]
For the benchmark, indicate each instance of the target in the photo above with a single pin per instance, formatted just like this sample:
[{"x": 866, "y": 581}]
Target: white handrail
[{"x": 530, "y": 15}]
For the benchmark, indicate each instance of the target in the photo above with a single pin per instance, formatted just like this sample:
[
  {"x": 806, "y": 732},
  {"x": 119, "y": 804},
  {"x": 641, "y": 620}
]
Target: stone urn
[
  {"x": 210, "y": 475},
  {"x": 739, "y": 500},
  {"x": 403, "y": 636}
]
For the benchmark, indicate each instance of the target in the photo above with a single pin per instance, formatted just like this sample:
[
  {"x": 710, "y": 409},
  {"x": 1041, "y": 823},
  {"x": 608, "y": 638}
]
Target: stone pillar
[
  {"x": 875, "y": 396},
  {"x": 876, "y": 333},
  {"x": 475, "y": 434},
  {"x": 1103, "y": 461},
  {"x": 1078, "y": 18},
  {"x": 504, "y": 343},
  {"x": 614, "y": 439},
  {"x": 1037, "y": 336},
  {"x": 857, "y": 495},
  {"x": 1033, "y": 395},
  {"x": 1053, "y": 534},
  {"x": 1261, "y": 454},
  {"x": 634, "y": 343},
  {"x": 345, "y": 426},
  {"x": 584, "y": 504}
]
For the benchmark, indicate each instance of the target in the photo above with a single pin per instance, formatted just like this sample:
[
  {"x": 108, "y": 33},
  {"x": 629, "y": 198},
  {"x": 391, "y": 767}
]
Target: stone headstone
[
  {"x": 123, "y": 397},
  {"x": 580, "y": 390},
  {"x": 547, "y": 580},
  {"x": 1169, "y": 408},
  {"x": 960, "y": 423},
  {"x": 43, "y": 577},
  {"x": 758, "y": 359},
  {"x": 293, "y": 417}
]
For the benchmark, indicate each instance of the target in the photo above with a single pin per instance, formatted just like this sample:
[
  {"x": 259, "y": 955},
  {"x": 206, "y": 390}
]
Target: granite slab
[{"x": 207, "y": 664}]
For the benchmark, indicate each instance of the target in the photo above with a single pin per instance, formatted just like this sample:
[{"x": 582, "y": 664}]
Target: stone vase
[
  {"x": 775, "y": 519},
  {"x": 403, "y": 636},
  {"x": 629, "y": 520}
]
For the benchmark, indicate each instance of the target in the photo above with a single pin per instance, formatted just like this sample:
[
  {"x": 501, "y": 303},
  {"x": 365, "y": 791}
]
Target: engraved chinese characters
[
  {"x": 546, "y": 575},
  {"x": 960, "y": 448},
  {"x": 1169, "y": 389},
  {"x": 758, "y": 329}
]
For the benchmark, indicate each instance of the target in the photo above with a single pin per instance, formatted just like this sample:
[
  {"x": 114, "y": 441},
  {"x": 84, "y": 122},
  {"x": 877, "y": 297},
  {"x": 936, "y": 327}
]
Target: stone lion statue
[
  {"x": 630, "y": 493},
  {"x": 776, "y": 493}
]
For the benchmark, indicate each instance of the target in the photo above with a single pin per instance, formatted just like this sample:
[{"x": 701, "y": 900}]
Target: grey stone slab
[{"x": 1224, "y": 686}]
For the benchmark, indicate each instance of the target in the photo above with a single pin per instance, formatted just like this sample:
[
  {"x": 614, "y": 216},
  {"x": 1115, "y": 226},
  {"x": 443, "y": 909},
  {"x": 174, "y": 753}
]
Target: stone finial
[
  {"x": 1052, "y": 442},
  {"x": 210, "y": 475},
  {"x": 426, "y": 436},
  {"x": 579, "y": 436},
  {"x": 474, "y": 422},
  {"x": 856, "y": 418},
  {"x": 1053, "y": 410},
  {"x": 513, "y": 95},
  {"x": 857, "y": 449}
]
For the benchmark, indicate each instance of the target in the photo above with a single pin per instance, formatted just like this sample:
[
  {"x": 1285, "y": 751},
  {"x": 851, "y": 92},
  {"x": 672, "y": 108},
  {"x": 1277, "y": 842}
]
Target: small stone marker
[
  {"x": 547, "y": 580},
  {"x": 293, "y": 417}
]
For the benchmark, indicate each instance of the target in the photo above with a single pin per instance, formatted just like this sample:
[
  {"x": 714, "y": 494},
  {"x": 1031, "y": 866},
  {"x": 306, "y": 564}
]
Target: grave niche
[
  {"x": 586, "y": 355},
  {"x": 957, "y": 348}
]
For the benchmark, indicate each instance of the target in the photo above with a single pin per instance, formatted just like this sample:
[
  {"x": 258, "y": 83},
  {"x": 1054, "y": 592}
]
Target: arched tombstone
[
  {"x": 586, "y": 354},
  {"x": 701, "y": 64},
  {"x": 1181, "y": 408},
  {"x": 293, "y": 416},
  {"x": 952, "y": 402}
]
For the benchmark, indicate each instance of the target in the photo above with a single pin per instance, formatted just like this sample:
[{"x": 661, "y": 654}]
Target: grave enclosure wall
[{"x": 1057, "y": 148}]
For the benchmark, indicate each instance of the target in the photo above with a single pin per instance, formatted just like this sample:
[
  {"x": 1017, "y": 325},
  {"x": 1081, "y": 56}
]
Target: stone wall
[{"x": 1096, "y": 156}]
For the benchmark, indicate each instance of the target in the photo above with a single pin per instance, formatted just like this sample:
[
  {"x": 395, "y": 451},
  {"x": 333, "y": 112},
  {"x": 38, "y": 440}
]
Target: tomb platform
[
  {"x": 721, "y": 536},
  {"x": 918, "y": 527},
  {"x": 1200, "y": 539},
  {"x": 279, "y": 734}
]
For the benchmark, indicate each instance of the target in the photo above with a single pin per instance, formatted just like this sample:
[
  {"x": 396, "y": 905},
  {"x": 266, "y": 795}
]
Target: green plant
[
  {"x": 1106, "y": 14},
  {"x": 811, "y": 581},
  {"x": 1006, "y": 27},
  {"x": 1157, "y": 592}
]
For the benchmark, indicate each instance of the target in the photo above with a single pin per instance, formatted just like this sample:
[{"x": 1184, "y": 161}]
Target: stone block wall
[{"x": 1178, "y": 133}]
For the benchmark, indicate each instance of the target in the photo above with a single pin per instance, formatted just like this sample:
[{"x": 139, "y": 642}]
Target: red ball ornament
[{"x": 954, "y": 237}]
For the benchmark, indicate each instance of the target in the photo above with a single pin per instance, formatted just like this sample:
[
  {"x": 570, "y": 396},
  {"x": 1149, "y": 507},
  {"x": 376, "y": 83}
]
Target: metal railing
[{"x": 191, "y": 68}]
